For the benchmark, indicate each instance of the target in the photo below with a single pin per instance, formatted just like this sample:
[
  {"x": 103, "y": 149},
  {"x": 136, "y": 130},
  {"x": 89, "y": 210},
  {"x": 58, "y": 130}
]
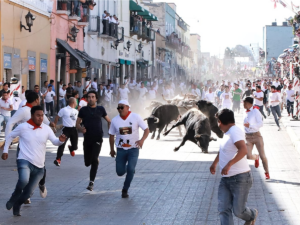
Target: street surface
[{"x": 168, "y": 187}]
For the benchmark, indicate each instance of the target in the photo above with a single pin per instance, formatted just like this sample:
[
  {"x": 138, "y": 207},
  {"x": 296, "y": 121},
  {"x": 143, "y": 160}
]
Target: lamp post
[
  {"x": 140, "y": 47},
  {"x": 128, "y": 44},
  {"x": 116, "y": 45},
  {"x": 73, "y": 33},
  {"x": 29, "y": 22}
]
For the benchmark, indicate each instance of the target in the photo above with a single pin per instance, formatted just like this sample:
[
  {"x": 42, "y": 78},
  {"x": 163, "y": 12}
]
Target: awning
[
  {"x": 122, "y": 61},
  {"x": 72, "y": 52},
  {"x": 133, "y": 6},
  {"x": 142, "y": 65},
  {"x": 147, "y": 15},
  {"x": 128, "y": 62},
  {"x": 89, "y": 60}
]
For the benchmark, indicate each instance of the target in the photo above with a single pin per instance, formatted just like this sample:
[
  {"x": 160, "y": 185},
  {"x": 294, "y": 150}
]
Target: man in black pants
[
  {"x": 69, "y": 116},
  {"x": 91, "y": 118}
]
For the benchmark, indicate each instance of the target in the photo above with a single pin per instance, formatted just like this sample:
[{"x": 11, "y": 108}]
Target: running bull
[
  {"x": 161, "y": 117},
  {"x": 197, "y": 129},
  {"x": 210, "y": 111}
]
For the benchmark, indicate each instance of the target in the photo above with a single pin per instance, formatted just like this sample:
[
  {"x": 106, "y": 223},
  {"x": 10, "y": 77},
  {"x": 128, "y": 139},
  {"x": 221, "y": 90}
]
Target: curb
[{"x": 292, "y": 134}]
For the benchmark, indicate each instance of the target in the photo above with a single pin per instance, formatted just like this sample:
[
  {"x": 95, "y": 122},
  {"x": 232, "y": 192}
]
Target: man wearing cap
[
  {"x": 252, "y": 123},
  {"x": 125, "y": 127},
  {"x": 236, "y": 99}
]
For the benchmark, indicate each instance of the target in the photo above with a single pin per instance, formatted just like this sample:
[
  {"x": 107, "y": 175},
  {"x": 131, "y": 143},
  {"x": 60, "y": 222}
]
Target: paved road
[{"x": 168, "y": 188}]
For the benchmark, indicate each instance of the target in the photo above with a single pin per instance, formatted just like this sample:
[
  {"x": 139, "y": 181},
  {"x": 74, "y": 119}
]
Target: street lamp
[
  {"x": 73, "y": 33},
  {"x": 116, "y": 45},
  {"x": 29, "y": 21},
  {"x": 128, "y": 45},
  {"x": 140, "y": 47}
]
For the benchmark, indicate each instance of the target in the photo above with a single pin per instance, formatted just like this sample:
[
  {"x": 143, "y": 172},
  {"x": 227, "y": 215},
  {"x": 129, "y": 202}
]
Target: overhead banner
[
  {"x": 7, "y": 61},
  {"x": 43, "y": 65},
  {"x": 31, "y": 63}
]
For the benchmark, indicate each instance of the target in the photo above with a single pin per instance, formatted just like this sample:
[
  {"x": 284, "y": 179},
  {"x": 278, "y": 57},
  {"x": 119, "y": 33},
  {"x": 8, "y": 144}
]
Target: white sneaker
[{"x": 43, "y": 191}]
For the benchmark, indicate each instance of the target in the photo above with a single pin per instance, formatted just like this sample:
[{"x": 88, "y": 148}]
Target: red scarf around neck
[
  {"x": 28, "y": 104},
  {"x": 258, "y": 91},
  {"x": 33, "y": 124},
  {"x": 125, "y": 117}
]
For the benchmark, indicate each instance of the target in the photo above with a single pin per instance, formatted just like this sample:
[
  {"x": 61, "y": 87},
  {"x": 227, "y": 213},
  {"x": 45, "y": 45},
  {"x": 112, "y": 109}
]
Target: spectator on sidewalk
[
  {"x": 50, "y": 97},
  {"x": 45, "y": 87},
  {"x": 236, "y": 174},
  {"x": 62, "y": 96},
  {"x": 70, "y": 90}
]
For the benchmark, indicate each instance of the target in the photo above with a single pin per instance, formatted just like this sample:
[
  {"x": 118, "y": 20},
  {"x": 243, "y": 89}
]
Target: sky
[{"x": 227, "y": 23}]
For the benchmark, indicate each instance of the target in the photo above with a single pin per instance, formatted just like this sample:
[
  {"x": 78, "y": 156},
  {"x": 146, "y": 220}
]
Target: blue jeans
[
  {"x": 232, "y": 196},
  {"x": 276, "y": 111},
  {"x": 29, "y": 177},
  {"x": 129, "y": 157},
  {"x": 62, "y": 103},
  {"x": 4, "y": 118}
]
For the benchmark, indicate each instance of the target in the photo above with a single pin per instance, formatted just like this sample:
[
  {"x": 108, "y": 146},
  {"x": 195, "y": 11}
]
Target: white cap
[{"x": 124, "y": 102}]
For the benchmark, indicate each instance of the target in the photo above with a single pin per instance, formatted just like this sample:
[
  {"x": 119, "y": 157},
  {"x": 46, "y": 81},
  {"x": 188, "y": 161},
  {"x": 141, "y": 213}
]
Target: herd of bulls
[{"x": 198, "y": 118}]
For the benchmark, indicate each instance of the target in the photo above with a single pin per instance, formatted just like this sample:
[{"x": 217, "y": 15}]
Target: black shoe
[
  {"x": 57, "y": 162},
  {"x": 9, "y": 205},
  {"x": 124, "y": 194},
  {"x": 16, "y": 210},
  {"x": 91, "y": 186},
  {"x": 27, "y": 202}
]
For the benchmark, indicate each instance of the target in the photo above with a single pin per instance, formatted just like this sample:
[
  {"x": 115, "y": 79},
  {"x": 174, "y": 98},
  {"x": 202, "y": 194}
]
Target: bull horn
[
  {"x": 157, "y": 120},
  {"x": 146, "y": 118},
  {"x": 197, "y": 136}
]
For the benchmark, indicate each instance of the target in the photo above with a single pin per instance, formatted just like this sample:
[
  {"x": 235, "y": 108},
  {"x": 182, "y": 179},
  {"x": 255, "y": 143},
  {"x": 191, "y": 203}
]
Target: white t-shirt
[
  {"x": 82, "y": 103},
  {"x": 276, "y": 84},
  {"x": 108, "y": 95},
  {"x": 69, "y": 116},
  {"x": 143, "y": 91},
  {"x": 210, "y": 97},
  {"x": 22, "y": 103},
  {"x": 289, "y": 94},
  {"x": 16, "y": 102},
  {"x": 226, "y": 99},
  {"x": 258, "y": 95},
  {"x": 228, "y": 151},
  {"x": 124, "y": 93},
  {"x": 152, "y": 94},
  {"x": 22, "y": 96},
  {"x": 127, "y": 131},
  {"x": 62, "y": 93},
  {"x": 5, "y": 104},
  {"x": 49, "y": 96},
  {"x": 275, "y": 97},
  {"x": 131, "y": 85},
  {"x": 167, "y": 93}
]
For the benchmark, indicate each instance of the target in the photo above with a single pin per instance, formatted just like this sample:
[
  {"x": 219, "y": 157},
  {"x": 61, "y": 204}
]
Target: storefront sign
[
  {"x": 7, "y": 61},
  {"x": 31, "y": 63},
  {"x": 44, "y": 66}
]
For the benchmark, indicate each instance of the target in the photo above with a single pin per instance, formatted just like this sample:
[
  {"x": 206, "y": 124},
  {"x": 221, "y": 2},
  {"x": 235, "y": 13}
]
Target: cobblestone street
[{"x": 168, "y": 187}]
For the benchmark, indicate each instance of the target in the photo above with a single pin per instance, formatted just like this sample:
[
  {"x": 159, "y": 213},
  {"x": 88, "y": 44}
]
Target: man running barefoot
[
  {"x": 69, "y": 116},
  {"x": 91, "y": 118},
  {"x": 31, "y": 160},
  {"x": 126, "y": 129},
  {"x": 252, "y": 123}
]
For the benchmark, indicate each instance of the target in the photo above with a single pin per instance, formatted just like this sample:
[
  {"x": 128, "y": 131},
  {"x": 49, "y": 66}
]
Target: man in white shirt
[
  {"x": 252, "y": 123},
  {"x": 258, "y": 100},
  {"x": 83, "y": 102},
  {"x": 152, "y": 93},
  {"x": 16, "y": 100},
  {"x": 94, "y": 85},
  {"x": 31, "y": 159},
  {"x": 6, "y": 107},
  {"x": 123, "y": 92},
  {"x": 49, "y": 100},
  {"x": 275, "y": 99},
  {"x": 196, "y": 91},
  {"x": 290, "y": 96},
  {"x": 210, "y": 96},
  {"x": 125, "y": 127},
  {"x": 236, "y": 174},
  {"x": 69, "y": 116},
  {"x": 62, "y": 96},
  {"x": 22, "y": 96},
  {"x": 142, "y": 92},
  {"x": 226, "y": 99},
  {"x": 108, "y": 96},
  {"x": 276, "y": 83}
]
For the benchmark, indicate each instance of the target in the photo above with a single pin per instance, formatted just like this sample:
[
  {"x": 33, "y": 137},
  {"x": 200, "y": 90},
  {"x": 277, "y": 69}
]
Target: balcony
[
  {"x": 182, "y": 24},
  {"x": 109, "y": 30},
  {"x": 148, "y": 34},
  {"x": 94, "y": 25},
  {"x": 173, "y": 41},
  {"x": 136, "y": 29}
]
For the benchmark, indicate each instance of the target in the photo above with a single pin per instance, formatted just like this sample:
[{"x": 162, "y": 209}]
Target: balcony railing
[
  {"x": 173, "y": 41},
  {"x": 182, "y": 24},
  {"x": 94, "y": 25},
  {"x": 109, "y": 29},
  {"x": 136, "y": 29}
]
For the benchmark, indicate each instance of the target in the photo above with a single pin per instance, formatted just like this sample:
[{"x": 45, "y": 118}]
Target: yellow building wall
[{"x": 38, "y": 40}]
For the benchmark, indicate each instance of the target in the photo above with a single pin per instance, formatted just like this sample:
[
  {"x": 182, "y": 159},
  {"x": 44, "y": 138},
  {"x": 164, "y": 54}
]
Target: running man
[
  {"x": 69, "y": 116},
  {"x": 236, "y": 99},
  {"x": 226, "y": 99},
  {"x": 31, "y": 160},
  {"x": 275, "y": 99},
  {"x": 258, "y": 100},
  {"x": 236, "y": 179},
  {"x": 91, "y": 118},
  {"x": 252, "y": 123}
]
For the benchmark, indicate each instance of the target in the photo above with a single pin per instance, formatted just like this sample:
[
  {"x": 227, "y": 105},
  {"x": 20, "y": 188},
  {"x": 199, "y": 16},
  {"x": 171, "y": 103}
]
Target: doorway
[{"x": 31, "y": 80}]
